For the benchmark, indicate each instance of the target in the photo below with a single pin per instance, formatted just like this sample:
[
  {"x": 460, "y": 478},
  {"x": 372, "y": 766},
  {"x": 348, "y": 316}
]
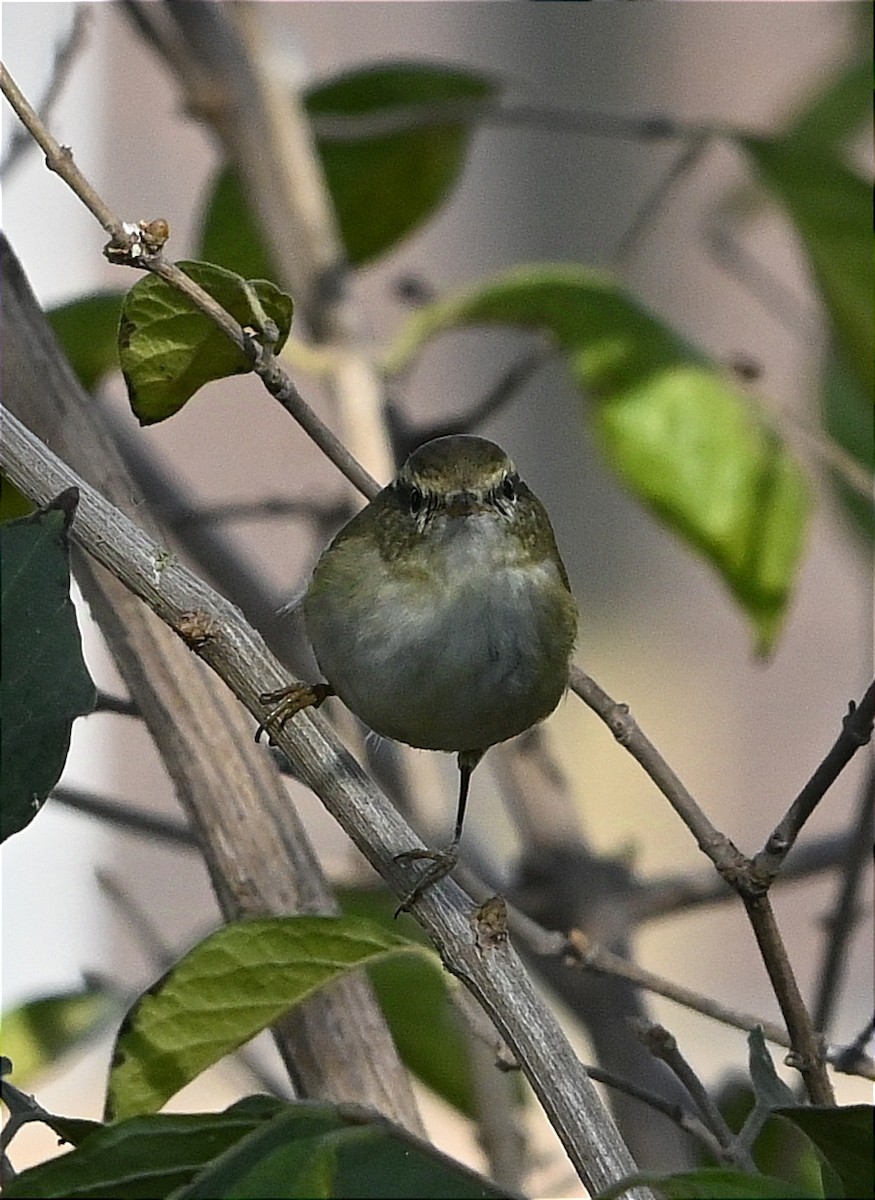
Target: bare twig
[
  {"x": 728, "y": 860},
  {"x": 840, "y": 923},
  {"x": 580, "y": 950},
  {"x": 688, "y": 157},
  {"x": 856, "y": 732},
  {"x": 808, "y": 1055},
  {"x": 659, "y": 898},
  {"x": 124, "y": 816},
  {"x": 662, "y": 1044},
  {"x": 60, "y": 160},
  {"x": 65, "y": 57},
  {"x": 404, "y": 118},
  {"x": 115, "y": 704},
  {"x": 751, "y": 878},
  {"x": 127, "y": 247},
  {"x": 681, "y": 1116}
]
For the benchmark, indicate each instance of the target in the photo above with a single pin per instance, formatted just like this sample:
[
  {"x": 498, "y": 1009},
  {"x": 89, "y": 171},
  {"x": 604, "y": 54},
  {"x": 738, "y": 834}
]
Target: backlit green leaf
[
  {"x": 229, "y": 987},
  {"x": 831, "y": 209},
  {"x": 35, "y": 1034},
  {"x": 682, "y": 436},
  {"x": 846, "y": 1138}
]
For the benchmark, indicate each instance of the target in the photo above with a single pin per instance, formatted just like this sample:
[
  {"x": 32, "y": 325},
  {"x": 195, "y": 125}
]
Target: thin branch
[
  {"x": 840, "y": 923},
  {"x": 659, "y": 898},
  {"x": 683, "y": 163},
  {"x": 750, "y": 879},
  {"x": 130, "y": 246},
  {"x": 60, "y": 160},
  {"x": 213, "y": 628},
  {"x": 106, "y": 703},
  {"x": 856, "y": 732},
  {"x": 808, "y": 1055},
  {"x": 848, "y": 1058},
  {"x": 664, "y": 1046},
  {"x": 728, "y": 860},
  {"x": 682, "y": 1117},
  {"x": 495, "y": 399},
  {"x": 578, "y": 950},
  {"x": 404, "y": 118},
  {"x": 581, "y": 951},
  {"x": 65, "y": 57},
  {"x": 123, "y": 816}
]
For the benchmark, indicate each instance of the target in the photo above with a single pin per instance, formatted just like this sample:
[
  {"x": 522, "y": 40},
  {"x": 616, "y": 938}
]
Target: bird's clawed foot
[
  {"x": 287, "y": 701},
  {"x": 442, "y": 862}
]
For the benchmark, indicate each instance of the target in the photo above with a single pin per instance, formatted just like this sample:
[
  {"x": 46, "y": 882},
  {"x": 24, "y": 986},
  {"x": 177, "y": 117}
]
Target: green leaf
[
  {"x": 313, "y": 1150},
  {"x": 682, "y": 437},
  {"x": 45, "y": 684},
  {"x": 13, "y": 503},
  {"x": 831, "y": 209},
  {"x": 712, "y": 1183},
  {"x": 87, "y": 329},
  {"x": 168, "y": 349},
  {"x": 844, "y": 1136},
  {"x": 837, "y": 111},
  {"x": 415, "y": 995},
  {"x": 37, "y": 1033},
  {"x": 383, "y": 187},
  {"x": 145, "y": 1157},
  {"x": 228, "y": 988},
  {"x": 230, "y": 235},
  {"x": 847, "y": 418}
]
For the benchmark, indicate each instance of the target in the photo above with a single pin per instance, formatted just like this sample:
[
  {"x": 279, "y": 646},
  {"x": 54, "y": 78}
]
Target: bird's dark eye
[
  {"x": 415, "y": 500},
  {"x": 508, "y": 487}
]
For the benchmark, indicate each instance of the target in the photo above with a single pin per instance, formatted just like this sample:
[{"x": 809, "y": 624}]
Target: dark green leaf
[
  {"x": 712, "y": 1183},
  {"x": 683, "y": 438},
  {"x": 229, "y": 987},
  {"x": 230, "y": 235},
  {"x": 13, "y": 503},
  {"x": 383, "y": 187},
  {"x": 847, "y": 418},
  {"x": 37, "y": 1033},
  {"x": 831, "y": 209},
  {"x": 312, "y": 1150},
  {"x": 844, "y": 1136},
  {"x": 168, "y": 349},
  {"x": 45, "y": 684},
  {"x": 139, "y": 1159},
  {"x": 837, "y": 111},
  {"x": 87, "y": 329}
]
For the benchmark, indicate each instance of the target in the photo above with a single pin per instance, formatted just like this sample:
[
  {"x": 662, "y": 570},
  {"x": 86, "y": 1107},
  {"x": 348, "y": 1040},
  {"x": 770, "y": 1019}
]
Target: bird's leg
[
  {"x": 442, "y": 861},
  {"x": 287, "y": 701}
]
